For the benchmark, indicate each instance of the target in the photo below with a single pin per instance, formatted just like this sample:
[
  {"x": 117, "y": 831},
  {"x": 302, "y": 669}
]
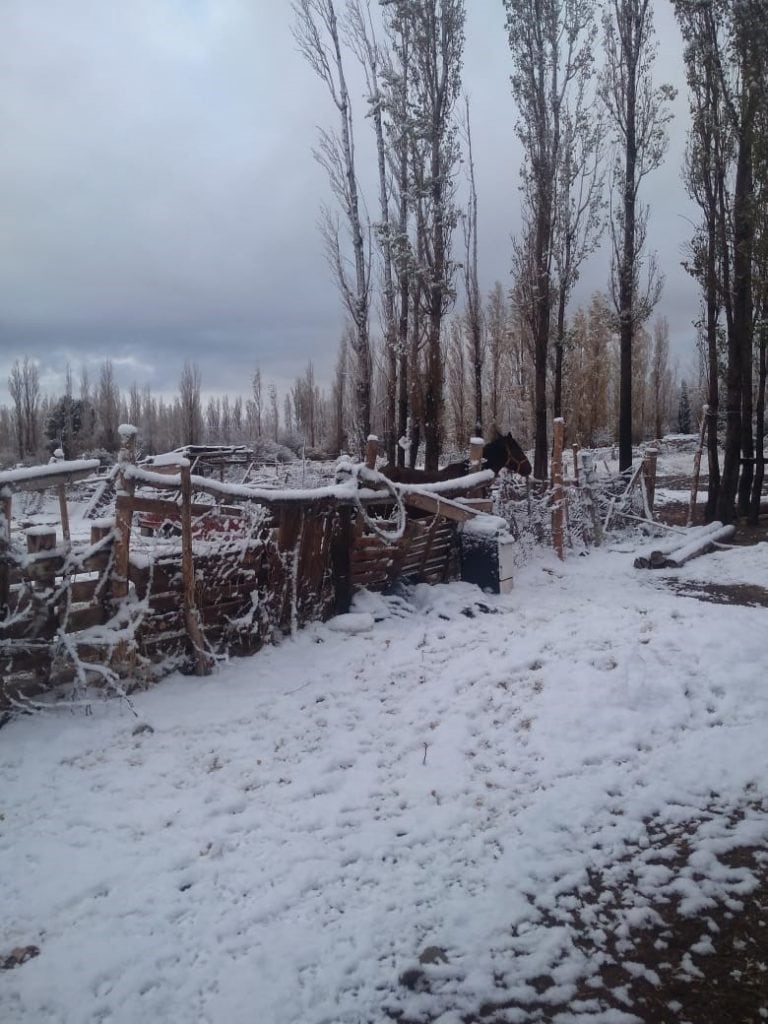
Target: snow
[
  {"x": 168, "y": 459},
  {"x": 283, "y": 841},
  {"x": 353, "y": 622},
  {"x": 52, "y": 471}
]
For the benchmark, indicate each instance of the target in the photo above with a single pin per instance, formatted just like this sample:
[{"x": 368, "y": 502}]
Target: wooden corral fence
[{"x": 190, "y": 569}]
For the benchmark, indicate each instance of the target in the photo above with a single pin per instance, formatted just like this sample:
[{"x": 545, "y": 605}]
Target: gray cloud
[{"x": 159, "y": 201}]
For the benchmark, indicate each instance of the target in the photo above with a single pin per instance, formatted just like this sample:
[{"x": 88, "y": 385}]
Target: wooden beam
[
  {"x": 438, "y": 505},
  {"x": 47, "y": 476}
]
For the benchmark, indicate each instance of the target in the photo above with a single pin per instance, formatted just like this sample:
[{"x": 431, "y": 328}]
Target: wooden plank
[
  {"x": 162, "y": 623},
  {"x": 361, "y": 568},
  {"x": 82, "y": 590},
  {"x": 478, "y": 504},
  {"x": 51, "y": 475},
  {"x": 439, "y": 505},
  {"x": 211, "y": 596},
  {"x": 83, "y": 618},
  {"x": 156, "y": 507},
  {"x": 97, "y": 562},
  {"x": 163, "y": 602},
  {"x": 213, "y": 614},
  {"x": 366, "y": 579}
]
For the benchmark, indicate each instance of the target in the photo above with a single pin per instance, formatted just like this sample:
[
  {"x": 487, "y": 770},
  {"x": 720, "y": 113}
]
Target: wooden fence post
[
  {"x": 64, "y": 512},
  {"x": 5, "y": 544},
  {"x": 476, "y": 446},
  {"x": 590, "y": 480},
  {"x": 123, "y": 512},
  {"x": 558, "y": 497},
  {"x": 650, "y": 463},
  {"x": 575, "y": 450},
  {"x": 39, "y": 539},
  {"x": 371, "y": 451},
  {"x": 191, "y": 619}
]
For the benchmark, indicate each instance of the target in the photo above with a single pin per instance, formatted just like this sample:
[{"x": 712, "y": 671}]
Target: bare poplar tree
[
  {"x": 16, "y": 390},
  {"x": 190, "y": 409},
  {"x": 474, "y": 310},
  {"x": 274, "y": 414},
  {"x": 316, "y": 30},
  {"x": 497, "y": 320},
  {"x": 339, "y": 396},
  {"x": 551, "y": 50},
  {"x": 660, "y": 376},
  {"x": 437, "y": 40},
  {"x": 707, "y": 159},
  {"x": 580, "y": 202},
  {"x": 638, "y": 116},
  {"x": 374, "y": 61},
  {"x": 456, "y": 379},
  {"x": 397, "y": 84},
  {"x": 108, "y": 407},
  {"x": 213, "y": 421},
  {"x": 258, "y": 400},
  {"x": 726, "y": 45}
]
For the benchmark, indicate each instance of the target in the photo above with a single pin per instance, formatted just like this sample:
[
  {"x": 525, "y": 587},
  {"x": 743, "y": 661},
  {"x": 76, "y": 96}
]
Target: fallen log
[
  {"x": 655, "y": 557},
  {"x": 702, "y": 546}
]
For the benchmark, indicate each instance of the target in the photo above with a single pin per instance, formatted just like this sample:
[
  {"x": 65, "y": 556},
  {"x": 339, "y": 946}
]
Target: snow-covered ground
[{"x": 404, "y": 811}]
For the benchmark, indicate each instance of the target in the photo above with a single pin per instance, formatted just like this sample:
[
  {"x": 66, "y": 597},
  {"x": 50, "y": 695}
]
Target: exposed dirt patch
[
  {"x": 707, "y": 968},
  {"x": 748, "y": 595},
  {"x": 664, "y": 980}
]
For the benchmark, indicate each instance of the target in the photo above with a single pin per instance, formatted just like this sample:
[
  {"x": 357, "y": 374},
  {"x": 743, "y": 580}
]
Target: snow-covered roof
[{"x": 31, "y": 478}]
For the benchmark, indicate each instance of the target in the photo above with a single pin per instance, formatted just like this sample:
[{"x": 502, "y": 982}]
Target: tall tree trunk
[
  {"x": 627, "y": 281},
  {"x": 740, "y": 336},
  {"x": 713, "y": 396},
  {"x": 757, "y": 483},
  {"x": 559, "y": 352}
]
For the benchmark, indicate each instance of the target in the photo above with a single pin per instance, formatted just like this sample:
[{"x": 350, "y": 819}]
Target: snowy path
[{"x": 299, "y": 828}]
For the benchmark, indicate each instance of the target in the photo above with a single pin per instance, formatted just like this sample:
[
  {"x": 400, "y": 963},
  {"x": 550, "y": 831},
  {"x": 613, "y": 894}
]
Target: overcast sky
[{"x": 159, "y": 200}]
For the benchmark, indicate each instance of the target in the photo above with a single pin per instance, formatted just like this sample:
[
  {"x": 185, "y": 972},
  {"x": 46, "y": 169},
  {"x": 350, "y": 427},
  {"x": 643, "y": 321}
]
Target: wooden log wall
[{"x": 130, "y": 603}]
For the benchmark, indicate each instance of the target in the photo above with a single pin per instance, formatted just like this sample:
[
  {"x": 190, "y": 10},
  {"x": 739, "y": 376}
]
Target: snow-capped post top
[
  {"x": 476, "y": 445},
  {"x": 558, "y": 419},
  {"x": 126, "y": 456},
  {"x": 371, "y": 451}
]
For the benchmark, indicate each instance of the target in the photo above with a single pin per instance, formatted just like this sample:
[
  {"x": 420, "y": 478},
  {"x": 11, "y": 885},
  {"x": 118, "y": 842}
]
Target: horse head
[{"x": 505, "y": 453}]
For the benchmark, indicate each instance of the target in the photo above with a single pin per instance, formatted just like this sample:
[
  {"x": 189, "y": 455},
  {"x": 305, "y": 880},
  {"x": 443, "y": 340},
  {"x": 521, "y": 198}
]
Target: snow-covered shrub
[
  {"x": 265, "y": 449},
  {"x": 105, "y": 458}
]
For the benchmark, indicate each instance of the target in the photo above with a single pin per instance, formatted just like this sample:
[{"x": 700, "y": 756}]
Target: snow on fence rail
[{"x": 189, "y": 570}]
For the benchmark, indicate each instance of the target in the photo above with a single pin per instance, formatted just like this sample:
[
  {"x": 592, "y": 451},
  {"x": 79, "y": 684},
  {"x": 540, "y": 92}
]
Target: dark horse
[{"x": 502, "y": 453}]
